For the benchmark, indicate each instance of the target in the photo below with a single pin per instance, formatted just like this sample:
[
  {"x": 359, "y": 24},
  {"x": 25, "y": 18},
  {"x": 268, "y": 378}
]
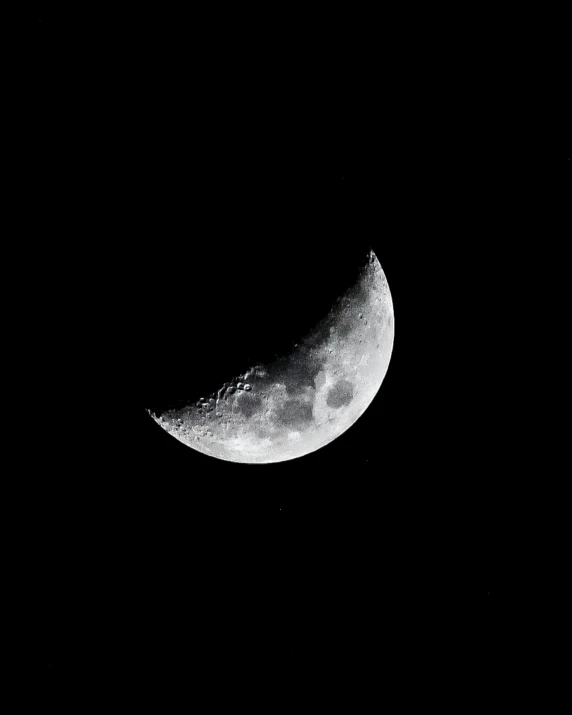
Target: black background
[{"x": 188, "y": 213}]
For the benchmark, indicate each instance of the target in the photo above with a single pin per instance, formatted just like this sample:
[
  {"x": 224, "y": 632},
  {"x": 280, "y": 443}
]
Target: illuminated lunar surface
[{"x": 302, "y": 401}]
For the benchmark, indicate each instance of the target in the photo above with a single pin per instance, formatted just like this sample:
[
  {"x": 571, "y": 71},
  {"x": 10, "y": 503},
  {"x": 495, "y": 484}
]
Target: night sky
[{"x": 183, "y": 219}]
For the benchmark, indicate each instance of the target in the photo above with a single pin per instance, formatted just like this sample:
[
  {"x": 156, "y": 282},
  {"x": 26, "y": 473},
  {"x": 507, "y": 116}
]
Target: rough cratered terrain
[{"x": 303, "y": 400}]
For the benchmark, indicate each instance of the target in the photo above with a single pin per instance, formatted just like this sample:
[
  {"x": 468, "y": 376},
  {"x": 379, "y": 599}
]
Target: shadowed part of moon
[
  {"x": 298, "y": 374},
  {"x": 345, "y": 326},
  {"x": 341, "y": 394},
  {"x": 295, "y": 412}
]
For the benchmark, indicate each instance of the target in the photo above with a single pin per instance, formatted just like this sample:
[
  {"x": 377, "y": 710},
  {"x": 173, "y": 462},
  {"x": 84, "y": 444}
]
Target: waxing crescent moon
[{"x": 304, "y": 400}]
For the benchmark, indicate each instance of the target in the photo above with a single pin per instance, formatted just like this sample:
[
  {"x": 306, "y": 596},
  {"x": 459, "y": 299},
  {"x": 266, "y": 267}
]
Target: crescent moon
[{"x": 302, "y": 401}]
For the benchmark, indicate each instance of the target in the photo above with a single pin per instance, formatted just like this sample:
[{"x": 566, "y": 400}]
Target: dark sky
[{"x": 181, "y": 227}]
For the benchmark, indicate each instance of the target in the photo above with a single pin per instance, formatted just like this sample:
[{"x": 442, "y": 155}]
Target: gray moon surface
[{"x": 302, "y": 401}]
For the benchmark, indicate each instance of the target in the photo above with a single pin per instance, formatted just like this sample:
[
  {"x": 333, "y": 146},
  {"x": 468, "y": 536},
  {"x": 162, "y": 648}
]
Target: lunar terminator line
[{"x": 301, "y": 401}]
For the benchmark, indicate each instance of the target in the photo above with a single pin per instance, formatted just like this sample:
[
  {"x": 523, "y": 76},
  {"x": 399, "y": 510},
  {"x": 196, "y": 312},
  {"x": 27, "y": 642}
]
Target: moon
[{"x": 303, "y": 400}]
